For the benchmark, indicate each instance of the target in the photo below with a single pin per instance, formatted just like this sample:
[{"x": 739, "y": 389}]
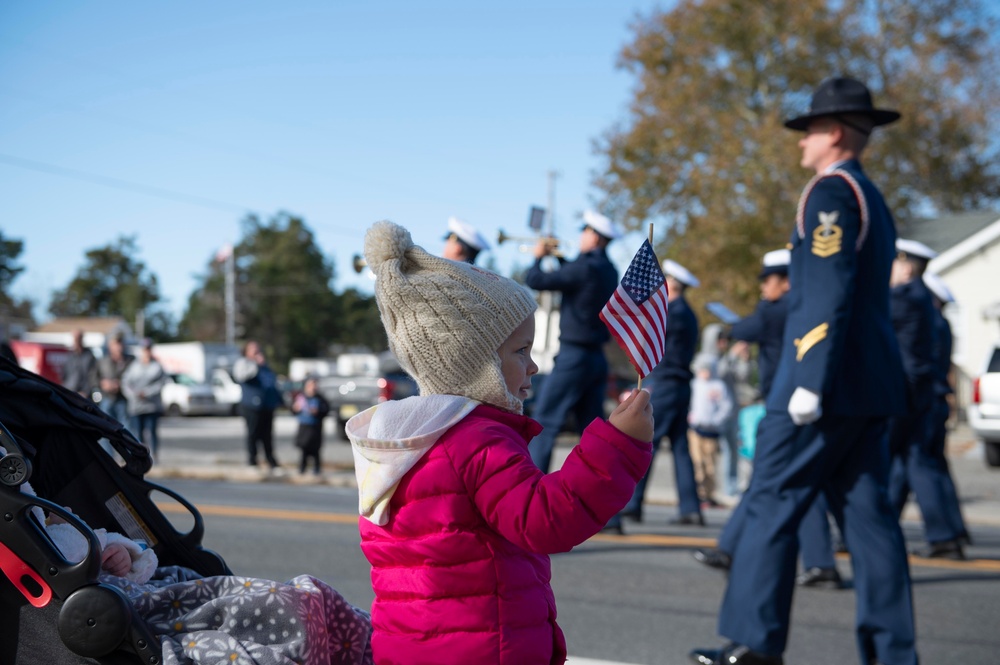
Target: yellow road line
[
  {"x": 652, "y": 539},
  {"x": 265, "y": 513}
]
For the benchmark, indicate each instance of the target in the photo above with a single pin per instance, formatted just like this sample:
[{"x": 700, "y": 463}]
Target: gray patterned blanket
[{"x": 249, "y": 621}]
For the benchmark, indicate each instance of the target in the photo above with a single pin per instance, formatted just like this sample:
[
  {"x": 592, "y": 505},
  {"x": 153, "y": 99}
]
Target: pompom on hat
[{"x": 445, "y": 320}]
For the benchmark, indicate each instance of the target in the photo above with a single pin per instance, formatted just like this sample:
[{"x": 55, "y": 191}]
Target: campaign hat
[{"x": 842, "y": 96}]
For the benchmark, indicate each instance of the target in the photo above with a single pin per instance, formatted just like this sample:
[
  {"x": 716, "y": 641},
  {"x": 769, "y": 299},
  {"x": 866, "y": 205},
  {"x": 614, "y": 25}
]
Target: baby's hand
[
  {"x": 634, "y": 416},
  {"x": 115, "y": 559}
]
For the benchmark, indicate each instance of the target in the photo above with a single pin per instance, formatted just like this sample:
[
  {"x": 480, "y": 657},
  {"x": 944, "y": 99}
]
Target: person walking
[
  {"x": 310, "y": 408},
  {"x": 766, "y": 328},
  {"x": 839, "y": 379},
  {"x": 79, "y": 371},
  {"x": 463, "y": 242},
  {"x": 670, "y": 385},
  {"x": 110, "y": 369},
  {"x": 260, "y": 399},
  {"x": 579, "y": 377},
  {"x": 942, "y": 406},
  {"x": 911, "y": 436},
  {"x": 142, "y": 383}
]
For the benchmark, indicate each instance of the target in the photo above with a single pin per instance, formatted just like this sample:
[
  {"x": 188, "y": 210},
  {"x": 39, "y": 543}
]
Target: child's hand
[
  {"x": 634, "y": 416},
  {"x": 115, "y": 559}
]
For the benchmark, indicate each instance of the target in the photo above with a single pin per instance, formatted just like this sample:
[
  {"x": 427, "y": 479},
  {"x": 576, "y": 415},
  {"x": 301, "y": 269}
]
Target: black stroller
[{"x": 52, "y": 610}]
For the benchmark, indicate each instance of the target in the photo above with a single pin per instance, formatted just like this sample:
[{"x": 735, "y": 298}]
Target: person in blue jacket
[
  {"x": 911, "y": 436},
  {"x": 579, "y": 377},
  {"x": 839, "y": 380},
  {"x": 259, "y": 400}
]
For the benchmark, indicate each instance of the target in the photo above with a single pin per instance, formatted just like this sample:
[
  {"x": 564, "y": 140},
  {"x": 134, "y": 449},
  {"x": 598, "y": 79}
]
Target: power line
[{"x": 125, "y": 185}]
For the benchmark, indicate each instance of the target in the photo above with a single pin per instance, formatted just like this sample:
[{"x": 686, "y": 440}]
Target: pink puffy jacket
[{"x": 461, "y": 570}]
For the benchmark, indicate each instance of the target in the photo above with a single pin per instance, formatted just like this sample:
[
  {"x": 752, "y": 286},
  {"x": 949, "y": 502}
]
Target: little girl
[{"x": 457, "y": 522}]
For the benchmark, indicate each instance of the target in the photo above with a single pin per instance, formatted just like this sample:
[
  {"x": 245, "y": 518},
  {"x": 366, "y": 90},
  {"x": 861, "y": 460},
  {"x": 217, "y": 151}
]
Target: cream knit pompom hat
[{"x": 445, "y": 320}]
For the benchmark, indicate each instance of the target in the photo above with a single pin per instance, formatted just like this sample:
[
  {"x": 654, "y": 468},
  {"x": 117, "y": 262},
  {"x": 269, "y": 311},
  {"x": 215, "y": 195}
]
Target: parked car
[
  {"x": 183, "y": 396},
  {"x": 364, "y": 380},
  {"x": 227, "y": 392},
  {"x": 984, "y": 412}
]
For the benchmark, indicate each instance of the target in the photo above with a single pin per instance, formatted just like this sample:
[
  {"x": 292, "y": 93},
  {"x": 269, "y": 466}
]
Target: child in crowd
[
  {"x": 711, "y": 406},
  {"x": 310, "y": 409},
  {"x": 456, "y": 520}
]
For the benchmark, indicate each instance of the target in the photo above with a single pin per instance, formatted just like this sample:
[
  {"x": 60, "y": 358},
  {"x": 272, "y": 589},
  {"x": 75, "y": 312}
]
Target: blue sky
[{"x": 341, "y": 112}]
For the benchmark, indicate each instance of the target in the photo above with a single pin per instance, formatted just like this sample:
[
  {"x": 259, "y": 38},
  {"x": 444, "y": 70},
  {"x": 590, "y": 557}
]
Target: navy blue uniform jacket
[
  {"x": 839, "y": 341},
  {"x": 942, "y": 354},
  {"x": 682, "y": 340},
  {"x": 766, "y": 328},
  {"x": 586, "y": 285},
  {"x": 913, "y": 312}
]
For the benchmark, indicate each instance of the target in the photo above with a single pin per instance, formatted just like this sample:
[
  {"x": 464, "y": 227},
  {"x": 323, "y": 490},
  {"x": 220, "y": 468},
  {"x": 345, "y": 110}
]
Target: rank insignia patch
[{"x": 828, "y": 237}]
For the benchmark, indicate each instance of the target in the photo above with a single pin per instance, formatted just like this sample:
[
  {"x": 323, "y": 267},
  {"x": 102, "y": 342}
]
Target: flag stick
[{"x": 639, "y": 386}]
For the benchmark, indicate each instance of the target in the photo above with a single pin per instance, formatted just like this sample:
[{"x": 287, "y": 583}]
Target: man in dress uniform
[
  {"x": 839, "y": 380},
  {"x": 670, "y": 386},
  {"x": 463, "y": 242},
  {"x": 914, "y": 465},
  {"x": 765, "y": 327},
  {"x": 580, "y": 374},
  {"x": 942, "y": 389}
]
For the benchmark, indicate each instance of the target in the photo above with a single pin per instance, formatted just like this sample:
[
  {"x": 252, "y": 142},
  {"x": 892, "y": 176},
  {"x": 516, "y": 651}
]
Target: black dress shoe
[
  {"x": 820, "y": 578},
  {"x": 944, "y": 549},
  {"x": 713, "y": 557},
  {"x": 689, "y": 519},
  {"x": 733, "y": 654}
]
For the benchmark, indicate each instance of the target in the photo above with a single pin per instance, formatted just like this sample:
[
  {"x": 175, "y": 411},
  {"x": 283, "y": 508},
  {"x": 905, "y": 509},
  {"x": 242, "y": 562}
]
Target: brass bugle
[
  {"x": 548, "y": 240},
  {"x": 359, "y": 263}
]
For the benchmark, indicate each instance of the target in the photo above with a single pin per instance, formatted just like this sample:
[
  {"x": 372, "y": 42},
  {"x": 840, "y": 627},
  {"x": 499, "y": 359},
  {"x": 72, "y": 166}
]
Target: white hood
[{"x": 387, "y": 440}]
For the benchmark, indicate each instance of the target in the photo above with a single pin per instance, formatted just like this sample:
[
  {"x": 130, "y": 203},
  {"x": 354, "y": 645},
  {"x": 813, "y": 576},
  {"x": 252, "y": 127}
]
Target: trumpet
[
  {"x": 553, "y": 243},
  {"x": 358, "y": 262}
]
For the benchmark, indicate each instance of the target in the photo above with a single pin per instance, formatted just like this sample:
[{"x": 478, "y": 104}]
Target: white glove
[{"x": 804, "y": 406}]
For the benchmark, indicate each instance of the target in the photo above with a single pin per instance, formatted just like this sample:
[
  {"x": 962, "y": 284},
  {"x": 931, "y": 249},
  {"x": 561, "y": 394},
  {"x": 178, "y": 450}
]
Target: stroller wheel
[{"x": 15, "y": 469}]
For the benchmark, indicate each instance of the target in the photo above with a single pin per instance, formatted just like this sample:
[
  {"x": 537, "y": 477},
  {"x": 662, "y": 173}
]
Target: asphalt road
[{"x": 634, "y": 599}]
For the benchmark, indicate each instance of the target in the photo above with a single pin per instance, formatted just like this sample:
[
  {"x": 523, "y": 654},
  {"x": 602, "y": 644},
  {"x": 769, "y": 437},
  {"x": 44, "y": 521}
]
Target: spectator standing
[
  {"x": 110, "y": 369},
  {"x": 79, "y": 372},
  {"x": 260, "y": 399},
  {"x": 310, "y": 408},
  {"x": 456, "y": 520},
  {"x": 711, "y": 406},
  {"x": 142, "y": 383}
]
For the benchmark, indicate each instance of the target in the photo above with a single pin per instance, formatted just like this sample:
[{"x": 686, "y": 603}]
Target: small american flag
[{"x": 636, "y": 314}]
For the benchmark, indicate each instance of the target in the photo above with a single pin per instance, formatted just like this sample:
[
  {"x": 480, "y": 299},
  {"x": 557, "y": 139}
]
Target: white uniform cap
[
  {"x": 938, "y": 287},
  {"x": 915, "y": 248},
  {"x": 777, "y": 258},
  {"x": 601, "y": 224},
  {"x": 680, "y": 273},
  {"x": 467, "y": 234}
]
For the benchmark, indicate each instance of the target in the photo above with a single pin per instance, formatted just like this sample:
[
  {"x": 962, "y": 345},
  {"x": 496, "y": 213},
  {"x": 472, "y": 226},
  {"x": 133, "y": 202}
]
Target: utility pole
[{"x": 231, "y": 298}]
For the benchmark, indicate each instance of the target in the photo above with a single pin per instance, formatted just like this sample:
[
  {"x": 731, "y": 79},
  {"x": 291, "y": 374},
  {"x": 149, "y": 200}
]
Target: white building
[{"x": 968, "y": 247}]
